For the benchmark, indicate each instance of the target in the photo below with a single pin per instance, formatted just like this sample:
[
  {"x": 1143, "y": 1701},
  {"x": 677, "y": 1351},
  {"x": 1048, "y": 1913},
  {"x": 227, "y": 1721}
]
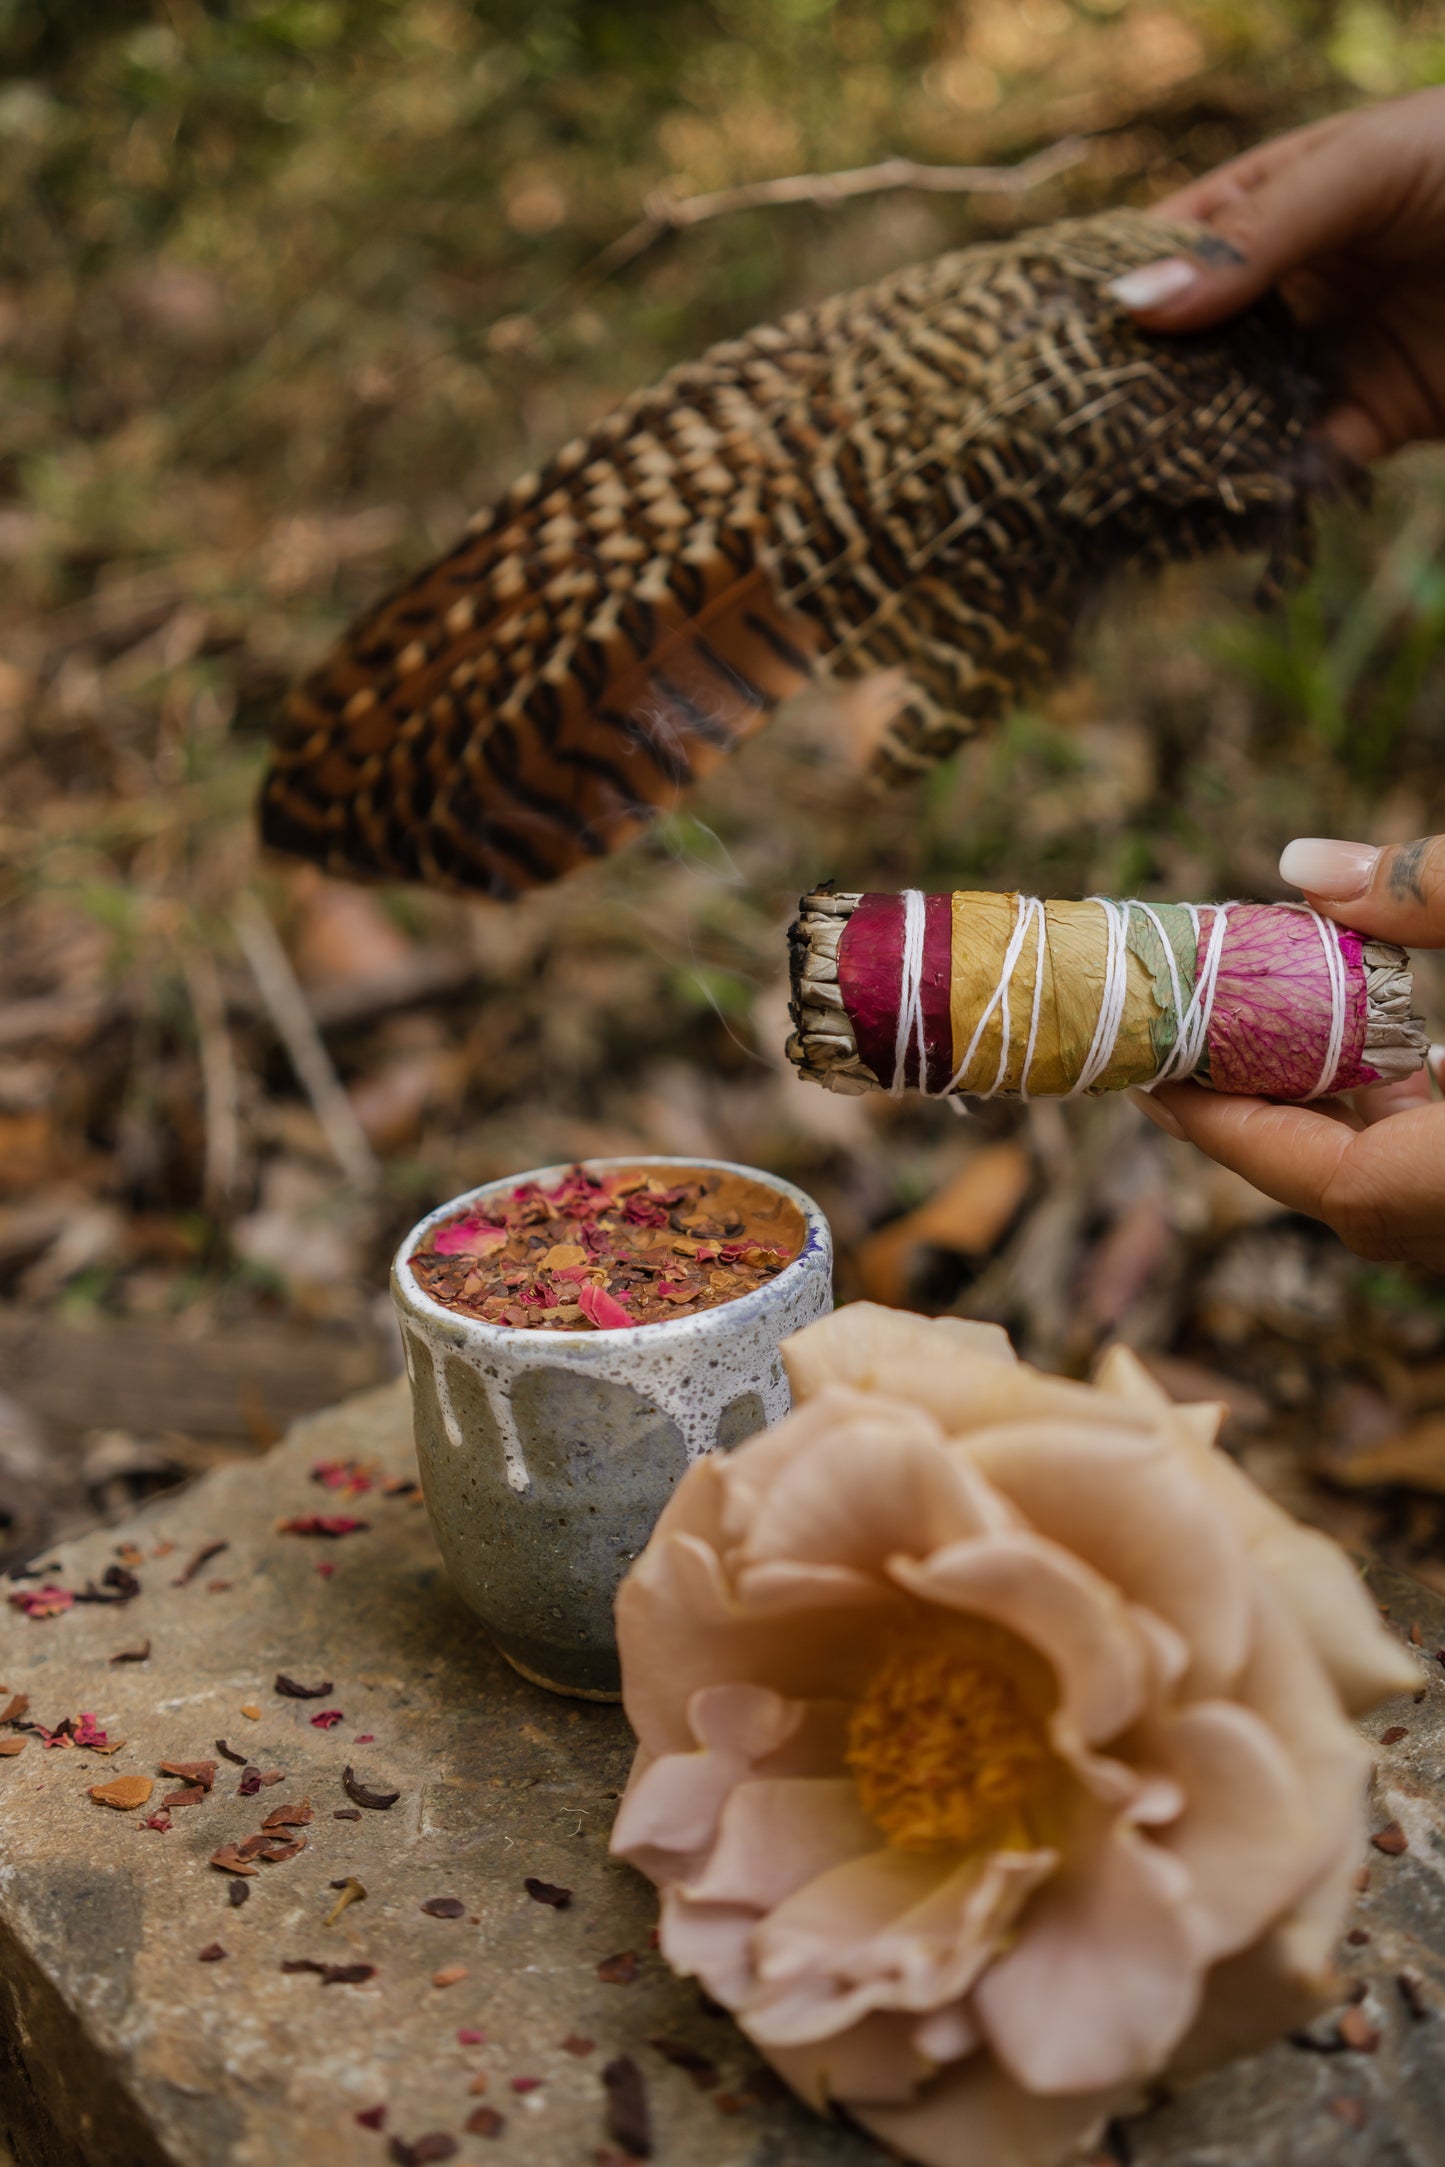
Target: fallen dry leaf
[
  {"x": 124, "y": 1793},
  {"x": 967, "y": 1216},
  {"x": 1413, "y": 1459}
]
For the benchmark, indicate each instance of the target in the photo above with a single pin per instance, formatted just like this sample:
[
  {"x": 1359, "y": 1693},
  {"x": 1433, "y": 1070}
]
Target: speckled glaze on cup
[{"x": 546, "y": 1457}]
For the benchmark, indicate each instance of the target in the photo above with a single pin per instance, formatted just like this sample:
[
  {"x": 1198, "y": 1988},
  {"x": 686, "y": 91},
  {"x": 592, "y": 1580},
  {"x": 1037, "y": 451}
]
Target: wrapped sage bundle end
[{"x": 987, "y": 995}]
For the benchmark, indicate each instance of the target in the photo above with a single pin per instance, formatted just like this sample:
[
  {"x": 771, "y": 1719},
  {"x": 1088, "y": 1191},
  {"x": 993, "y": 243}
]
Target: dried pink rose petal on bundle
[{"x": 994, "y": 1740}]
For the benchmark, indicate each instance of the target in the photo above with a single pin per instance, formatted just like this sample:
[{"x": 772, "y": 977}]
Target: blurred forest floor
[{"x": 287, "y": 288}]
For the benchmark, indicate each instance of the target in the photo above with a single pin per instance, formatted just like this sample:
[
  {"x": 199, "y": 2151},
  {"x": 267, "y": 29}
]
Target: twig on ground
[
  {"x": 220, "y": 1093},
  {"x": 286, "y": 1003}
]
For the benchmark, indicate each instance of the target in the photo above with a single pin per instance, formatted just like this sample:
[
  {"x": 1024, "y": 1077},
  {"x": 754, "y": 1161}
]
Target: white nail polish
[
  {"x": 1154, "y": 283},
  {"x": 1322, "y": 866}
]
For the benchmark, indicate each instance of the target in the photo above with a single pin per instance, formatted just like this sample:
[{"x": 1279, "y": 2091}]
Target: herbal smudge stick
[{"x": 990, "y": 995}]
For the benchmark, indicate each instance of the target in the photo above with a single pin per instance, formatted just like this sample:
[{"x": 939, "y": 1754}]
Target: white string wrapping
[
  {"x": 1339, "y": 999},
  {"x": 1192, "y": 1018},
  {"x": 910, "y": 994}
]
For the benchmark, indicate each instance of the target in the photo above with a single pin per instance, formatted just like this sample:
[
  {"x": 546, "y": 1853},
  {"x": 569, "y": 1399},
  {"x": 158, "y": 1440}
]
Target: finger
[
  {"x": 1355, "y": 431},
  {"x": 1292, "y": 1153},
  {"x": 1378, "y": 1101},
  {"x": 1394, "y": 894},
  {"x": 1330, "y": 194},
  {"x": 1202, "y": 198}
]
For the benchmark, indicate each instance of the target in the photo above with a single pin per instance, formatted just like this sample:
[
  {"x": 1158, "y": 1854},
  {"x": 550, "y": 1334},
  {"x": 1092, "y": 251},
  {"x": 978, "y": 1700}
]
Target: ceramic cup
[{"x": 546, "y": 1457}]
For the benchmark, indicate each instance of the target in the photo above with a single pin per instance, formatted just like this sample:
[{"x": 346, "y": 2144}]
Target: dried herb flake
[
  {"x": 377, "y": 1801},
  {"x": 292, "y": 1689},
  {"x": 629, "y": 2119},
  {"x": 547, "y": 1892}
]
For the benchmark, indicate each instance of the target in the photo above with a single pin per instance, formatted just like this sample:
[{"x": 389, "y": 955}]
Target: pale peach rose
[{"x": 993, "y": 1746}]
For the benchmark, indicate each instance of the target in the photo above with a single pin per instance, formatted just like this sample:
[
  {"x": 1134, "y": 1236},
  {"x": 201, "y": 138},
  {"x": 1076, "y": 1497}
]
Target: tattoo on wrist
[
  {"x": 1405, "y": 865},
  {"x": 1212, "y": 248}
]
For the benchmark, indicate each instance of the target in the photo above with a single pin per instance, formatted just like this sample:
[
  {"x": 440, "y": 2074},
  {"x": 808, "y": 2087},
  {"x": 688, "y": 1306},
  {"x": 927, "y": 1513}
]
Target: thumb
[
  {"x": 1261, "y": 219},
  {"x": 1395, "y": 894}
]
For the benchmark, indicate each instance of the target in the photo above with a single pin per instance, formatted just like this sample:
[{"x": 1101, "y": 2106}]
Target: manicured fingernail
[
  {"x": 1436, "y": 1060},
  {"x": 1159, "y": 1115},
  {"x": 1154, "y": 283},
  {"x": 1338, "y": 871}
]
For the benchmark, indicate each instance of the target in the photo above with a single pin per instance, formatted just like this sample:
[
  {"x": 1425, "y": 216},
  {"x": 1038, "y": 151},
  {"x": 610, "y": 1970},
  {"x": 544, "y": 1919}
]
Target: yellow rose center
[{"x": 948, "y": 1745}]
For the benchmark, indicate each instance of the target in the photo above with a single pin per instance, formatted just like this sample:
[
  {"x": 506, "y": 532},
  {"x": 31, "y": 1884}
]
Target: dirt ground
[{"x": 287, "y": 288}]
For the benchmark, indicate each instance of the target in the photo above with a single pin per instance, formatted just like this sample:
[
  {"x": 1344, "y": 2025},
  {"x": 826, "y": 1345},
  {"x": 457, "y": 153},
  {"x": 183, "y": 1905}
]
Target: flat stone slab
[{"x": 120, "y": 2047}]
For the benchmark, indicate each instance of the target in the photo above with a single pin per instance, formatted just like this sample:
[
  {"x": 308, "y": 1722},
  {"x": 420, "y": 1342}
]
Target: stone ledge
[{"x": 118, "y": 2048}]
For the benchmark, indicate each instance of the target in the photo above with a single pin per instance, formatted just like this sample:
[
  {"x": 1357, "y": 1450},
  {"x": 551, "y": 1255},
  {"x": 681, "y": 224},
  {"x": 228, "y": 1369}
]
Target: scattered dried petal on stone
[
  {"x": 12, "y": 1745},
  {"x": 629, "y": 2121},
  {"x": 469, "y": 2036},
  {"x": 45, "y": 1602},
  {"x": 547, "y": 1892},
  {"x": 124, "y": 1793},
  {"x": 230, "y": 1861},
  {"x": 378, "y": 1801},
  {"x": 444, "y": 1907},
  {"x": 327, "y": 1719},
  {"x": 239, "y": 1893},
  {"x": 19, "y": 1705},
  {"x": 346, "y": 1813},
  {"x": 435, "y": 2145},
  {"x": 619, "y": 1970},
  {"x": 449, "y": 1975},
  {"x": 297, "y": 1816},
  {"x": 331, "y": 1974},
  {"x": 1391, "y": 1737},
  {"x": 197, "y": 1772},
  {"x": 160, "y": 1821},
  {"x": 330, "y": 1525},
  {"x": 372, "y": 2117},
  {"x": 252, "y": 1712},
  {"x": 239, "y": 1759},
  {"x": 133, "y": 1655},
  {"x": 699, "y": 2067},
  {"x": 294, "y": 1690},
  {"x": 192, "y": 1795},
  {"x": 575, "y": 2043},
  {"x": 486, "y": 2122},
  {"x": 524, "y": 2085},
  {"x": 1391, "y": 1839},
  {"x": 213, "y": 1952},
  {"x": 250, "y": 1782},
  {"x": 352, "y": 1892},
  {"x": 202, "y": 1557}
]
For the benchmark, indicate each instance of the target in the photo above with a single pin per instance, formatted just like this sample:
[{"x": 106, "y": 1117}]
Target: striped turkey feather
[{"x": 935, "y": 472}]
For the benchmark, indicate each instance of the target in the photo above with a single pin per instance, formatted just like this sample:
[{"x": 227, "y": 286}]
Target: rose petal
[
  {"x": 680, "y": 1626},
  {"x": 1317, "y": 1580},
  {"x": 1059, "y": 1605},
  {"x": 1246, "y": 1823},
  {"x": 1127, "y": 1503},
  {"x": 878, "y": 2059},
  {"x": 864, "y": 1344},
  {"x": 1105, "y": 1978},
  {"x": 892, "y": 1930},
  {"x": 711, "y": 1943},
  {"x": 775, "y": 1835},
  {"x": 876, "y": 1482},
  {"x": 974, "y": 2112}
]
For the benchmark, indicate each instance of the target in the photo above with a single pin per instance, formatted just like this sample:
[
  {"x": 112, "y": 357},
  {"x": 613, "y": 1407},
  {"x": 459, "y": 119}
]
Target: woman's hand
[
  {"x": 1347, "y": 218},
  {"x": 1372, "y": 1167}
]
